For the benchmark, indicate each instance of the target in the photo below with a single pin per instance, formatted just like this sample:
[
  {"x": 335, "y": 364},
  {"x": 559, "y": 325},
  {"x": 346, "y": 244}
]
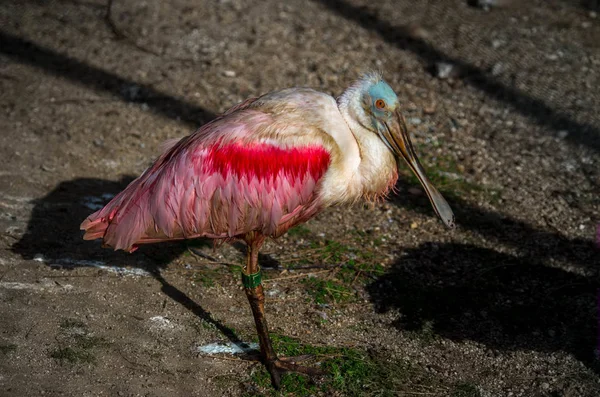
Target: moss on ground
[
  {"x": 78, "y": 345},
  {"x": 9, "y": 348},
  {"x": 349, "y": 372}
]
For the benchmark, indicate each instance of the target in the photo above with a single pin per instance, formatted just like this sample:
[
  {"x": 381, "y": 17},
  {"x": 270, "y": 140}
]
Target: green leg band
[{"x": 251, "y": 280}]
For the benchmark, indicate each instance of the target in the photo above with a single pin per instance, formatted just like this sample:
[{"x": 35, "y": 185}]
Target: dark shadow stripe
[
  {"x": 100, "y": 80},
  {"x": 540, "y": 112}
]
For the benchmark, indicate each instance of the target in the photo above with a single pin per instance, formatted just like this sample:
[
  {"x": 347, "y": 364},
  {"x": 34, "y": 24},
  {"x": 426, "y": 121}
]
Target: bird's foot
[{"x": 279, "y": 366}]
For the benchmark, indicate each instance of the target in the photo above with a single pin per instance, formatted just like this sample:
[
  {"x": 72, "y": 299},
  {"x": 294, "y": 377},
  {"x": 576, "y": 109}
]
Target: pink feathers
[{"x": 217, "y": 191}]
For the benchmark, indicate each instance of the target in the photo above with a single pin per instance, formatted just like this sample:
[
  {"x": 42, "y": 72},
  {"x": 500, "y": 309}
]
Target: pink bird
[{"x": 259, "y": 169}]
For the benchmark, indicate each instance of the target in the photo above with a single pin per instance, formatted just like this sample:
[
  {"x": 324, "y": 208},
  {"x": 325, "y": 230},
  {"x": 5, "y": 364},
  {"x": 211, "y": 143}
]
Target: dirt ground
[{"x": 503, "y": 106}]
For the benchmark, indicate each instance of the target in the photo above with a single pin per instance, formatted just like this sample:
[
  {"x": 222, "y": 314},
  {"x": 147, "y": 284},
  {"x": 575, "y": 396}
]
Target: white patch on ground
[
  {"x": 15, "y": 285},
  {"x": 14, "y": 231},
  {"x": 67, "y": 262},
  {"x": 18, "y": 199},
  {"x": 273, "y": 292},
  {"x": 92, "y": 202},
  {"x": 95, "y": 203},
  {"x": 15, "y": 202},
  {"x": 44, "y": 285},
  {"x": 227, "y": 348},
  {"x": 109, "y": 163},
  {"x": 161, "y": 322}
]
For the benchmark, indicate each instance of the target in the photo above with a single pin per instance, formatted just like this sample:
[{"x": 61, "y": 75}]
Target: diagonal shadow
[
  {"x": 55, "y": 218},
  {"x": 53, "y": 232},
  {"x": 532, "y": 243},
  {"x": 178, "y": 296},
  {"x": 463, "y": 292},
  {"x": 95, "y": 78},
  {"x": 579, "y": 133},
  {"x": 593, "y": 5}
]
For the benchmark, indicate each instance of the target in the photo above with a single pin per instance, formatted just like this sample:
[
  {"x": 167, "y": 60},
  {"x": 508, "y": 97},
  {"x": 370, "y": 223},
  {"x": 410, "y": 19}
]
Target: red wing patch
[{"x": 265, "y": 161}]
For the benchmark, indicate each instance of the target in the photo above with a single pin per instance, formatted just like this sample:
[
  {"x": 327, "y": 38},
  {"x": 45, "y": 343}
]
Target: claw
[{"x": 279, "y": 366}]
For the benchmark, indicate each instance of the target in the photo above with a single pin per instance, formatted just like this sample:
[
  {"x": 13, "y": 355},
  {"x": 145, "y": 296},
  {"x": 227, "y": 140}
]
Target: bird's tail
[
  {"x": 94, "y": 226},
  {"x": 119, "y": 223}
]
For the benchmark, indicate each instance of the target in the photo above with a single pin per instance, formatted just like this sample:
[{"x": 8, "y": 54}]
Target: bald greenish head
[{"x": 375, "y": 107}]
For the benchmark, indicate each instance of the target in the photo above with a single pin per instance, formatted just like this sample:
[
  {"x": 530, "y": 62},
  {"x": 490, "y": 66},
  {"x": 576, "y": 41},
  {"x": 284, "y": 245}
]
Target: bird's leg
[{"x": 254, "y": 291}]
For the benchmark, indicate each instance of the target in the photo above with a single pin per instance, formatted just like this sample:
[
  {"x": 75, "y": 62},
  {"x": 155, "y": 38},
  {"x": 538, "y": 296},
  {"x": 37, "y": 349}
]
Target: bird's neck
[{"x": 377, "y": 171}]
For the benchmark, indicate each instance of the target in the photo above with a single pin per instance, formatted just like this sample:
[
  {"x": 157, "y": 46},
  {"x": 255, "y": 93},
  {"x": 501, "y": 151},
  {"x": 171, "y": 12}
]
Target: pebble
[
  {"x": 497, "y": 43},
  {"x": 497, "y": 69},
  {"x": 228, "y": 73},
  {"x": 131, "y": 92},
  {"x": 445, "y": 70},
  {"x": 429, "y": 109}
]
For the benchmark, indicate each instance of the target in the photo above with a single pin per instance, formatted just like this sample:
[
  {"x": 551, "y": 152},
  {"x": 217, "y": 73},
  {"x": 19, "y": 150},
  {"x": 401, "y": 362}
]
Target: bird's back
[{"x": 256, "y": 168}]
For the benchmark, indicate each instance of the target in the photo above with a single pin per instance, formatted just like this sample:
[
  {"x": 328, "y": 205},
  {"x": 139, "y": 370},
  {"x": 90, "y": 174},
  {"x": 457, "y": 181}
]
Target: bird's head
[{"x": 376, "y": 108}]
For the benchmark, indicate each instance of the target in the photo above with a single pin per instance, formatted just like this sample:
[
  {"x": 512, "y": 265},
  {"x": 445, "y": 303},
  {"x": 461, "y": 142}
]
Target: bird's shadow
[
  {"x": 535, "y": 290},
  {"x": 53, "y": 236},
  {"x": 463, "y": 292}
]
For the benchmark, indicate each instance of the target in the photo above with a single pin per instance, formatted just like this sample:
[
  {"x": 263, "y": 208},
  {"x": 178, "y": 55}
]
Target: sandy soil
[{"x": 502, "y": 103}]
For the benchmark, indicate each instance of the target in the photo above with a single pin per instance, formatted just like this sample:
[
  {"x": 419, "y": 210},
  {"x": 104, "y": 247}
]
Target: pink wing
[{"x": 220, "y": 182}]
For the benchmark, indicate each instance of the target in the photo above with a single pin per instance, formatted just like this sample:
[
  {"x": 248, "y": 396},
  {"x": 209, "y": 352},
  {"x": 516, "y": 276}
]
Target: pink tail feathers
[
  {"x": 120, "y": 223},
  {"x": 94, "y": 227}
]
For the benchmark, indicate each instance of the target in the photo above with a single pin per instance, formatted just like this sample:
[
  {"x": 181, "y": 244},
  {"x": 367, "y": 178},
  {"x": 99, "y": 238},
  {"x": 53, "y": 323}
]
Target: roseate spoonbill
[{"x": 262, "y": 167}]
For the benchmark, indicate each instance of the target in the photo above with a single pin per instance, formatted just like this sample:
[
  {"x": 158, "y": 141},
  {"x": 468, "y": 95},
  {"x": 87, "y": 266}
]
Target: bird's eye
[{"x": 380, "y": 104}]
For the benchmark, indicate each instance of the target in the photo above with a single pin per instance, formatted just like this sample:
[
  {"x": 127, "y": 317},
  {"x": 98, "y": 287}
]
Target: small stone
[
  {"x": 429, "y": 109},
  {"x": 545, "y": 385},
  {"x": 445, "y": 70},
  {"x": 39, "y": 258},
  {"x": 562, "y": 134},
  {"x": 228, "y": 73},
  {"x": 415, "y": 121},
  {"x": 414, "y": 225},
  {"x": 497, "y": 69},
  {"x": 497, "y": 43}
]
